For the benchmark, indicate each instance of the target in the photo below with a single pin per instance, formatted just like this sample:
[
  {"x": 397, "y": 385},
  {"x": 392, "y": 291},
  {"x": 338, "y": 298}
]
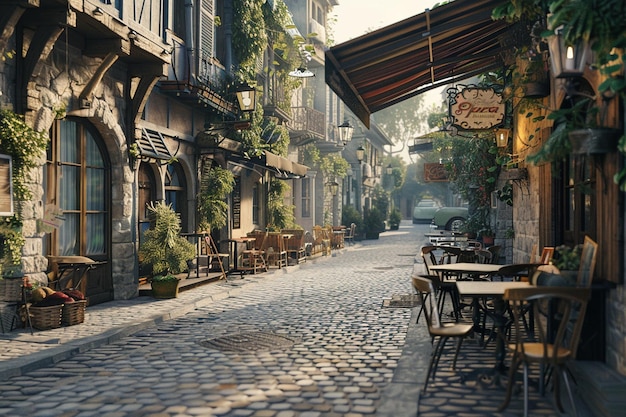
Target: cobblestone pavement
[{"x": 311, "y": 340}]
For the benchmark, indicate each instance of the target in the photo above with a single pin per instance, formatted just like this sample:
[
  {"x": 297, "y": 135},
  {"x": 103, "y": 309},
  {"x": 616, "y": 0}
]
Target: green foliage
[
  {"x": 12, "y": 240},
  {"x": 280, "y": 216},
  {"x": 25, "y": 145},
  {"x": 567, "y": 258},
  {"x": 249, "y": 34},
  {"x": 162, "y": 246},
  {"x": 349, "y": 215},
  {"x": 164, "y": 278},
  {"x": 505, "y": 194},
  {"x": 374, "y": 220},
  {"x": 478, "y": 221},
  {"x": 334, "y": 165},
  {"x": 215, "y": 184},
  {"x": 311, "y": 155},
  {"x": 395, "y": 217},
  {"x": 380, "y": 199},
  {"x": 473, "y": 169}
]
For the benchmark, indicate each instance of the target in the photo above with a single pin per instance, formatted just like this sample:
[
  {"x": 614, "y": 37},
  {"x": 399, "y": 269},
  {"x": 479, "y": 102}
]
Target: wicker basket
[
  {"x": 74, "y": 313},
  {"x": 44, "y": 318},
  {"x": 10, "y": 289}
]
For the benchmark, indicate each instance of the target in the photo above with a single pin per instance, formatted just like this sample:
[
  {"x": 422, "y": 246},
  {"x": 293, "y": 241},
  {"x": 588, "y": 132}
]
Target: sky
[{"x": 358, "y": 17}]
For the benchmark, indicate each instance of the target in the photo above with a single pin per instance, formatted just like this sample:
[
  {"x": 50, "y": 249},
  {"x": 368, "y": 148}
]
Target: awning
[
  {"x": 284, "y": 167},
  {"x": 451, "y": 42},
  {"x": 152, "y": 145}
]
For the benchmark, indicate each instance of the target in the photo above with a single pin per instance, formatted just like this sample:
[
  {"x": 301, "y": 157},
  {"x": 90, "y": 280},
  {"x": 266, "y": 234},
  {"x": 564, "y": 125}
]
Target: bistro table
[
  {"x": 72, "y": 270},
  {"x": 234, "y": 242},
  {"x": 469, "y": 268},
  {"x": 483, "y": 290}
]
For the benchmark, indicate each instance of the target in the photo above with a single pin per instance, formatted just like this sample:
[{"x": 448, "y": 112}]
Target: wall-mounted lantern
[
  {"x": 568, "y": 61},
  {"x": 345, "y": 132},
  {"x": 502, "y": 137}
]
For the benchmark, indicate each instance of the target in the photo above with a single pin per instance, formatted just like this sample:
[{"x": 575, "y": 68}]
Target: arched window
[
  {"x": 78, "y": 187},
  {"x": 78, "y": 184},
  {"x": 147, "y": 193},
  {"x": 175, "y": 191}
]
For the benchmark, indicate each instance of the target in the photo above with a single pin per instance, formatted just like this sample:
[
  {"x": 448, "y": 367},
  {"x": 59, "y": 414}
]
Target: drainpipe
[
  {"x": 189, "y": 37},
  {"x": 228, "y": 35}
]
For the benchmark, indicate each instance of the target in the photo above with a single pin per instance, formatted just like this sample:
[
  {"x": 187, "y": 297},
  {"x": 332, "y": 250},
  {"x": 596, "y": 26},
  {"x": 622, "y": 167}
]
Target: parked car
[
  {"x": 425, "y": 210},
  {"x": 450, "y": 218}
]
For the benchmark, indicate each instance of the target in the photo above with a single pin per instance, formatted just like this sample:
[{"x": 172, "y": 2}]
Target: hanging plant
[{"x": 280, "y": 215}]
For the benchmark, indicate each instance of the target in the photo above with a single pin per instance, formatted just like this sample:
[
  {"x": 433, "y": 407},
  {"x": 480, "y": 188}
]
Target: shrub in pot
[{"x": 164, "y": 249}]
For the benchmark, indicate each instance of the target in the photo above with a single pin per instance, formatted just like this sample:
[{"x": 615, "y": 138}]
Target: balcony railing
[{"x": 307, "y": 122}]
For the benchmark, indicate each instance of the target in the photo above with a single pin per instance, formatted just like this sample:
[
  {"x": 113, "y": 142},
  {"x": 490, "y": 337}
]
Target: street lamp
[
  {"x": 568, "y": 61},
  {"x": 360, "y": 154},
  {"x": 389, "y": 169},
  {"x": 333, "y": 187},
  {"x": 246, "y": 96},
  {"x": 345, "y": 132}
]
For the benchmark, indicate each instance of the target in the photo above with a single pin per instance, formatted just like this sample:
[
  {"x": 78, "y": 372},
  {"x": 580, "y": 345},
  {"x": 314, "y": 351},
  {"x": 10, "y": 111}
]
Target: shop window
[
  {"x": 78, "y": 183},
  {"x": 146, "y": 194},
  {"x": 306, "y": 197}
]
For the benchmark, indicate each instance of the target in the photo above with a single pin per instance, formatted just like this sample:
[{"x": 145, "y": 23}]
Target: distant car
[
  {"x": 424, "y": 211},
  {"x": 450, "y": 218}
]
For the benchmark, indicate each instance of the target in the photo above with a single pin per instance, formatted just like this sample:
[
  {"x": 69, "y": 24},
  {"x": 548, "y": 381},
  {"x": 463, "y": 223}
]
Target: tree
[{"x": 404, "y": 120}]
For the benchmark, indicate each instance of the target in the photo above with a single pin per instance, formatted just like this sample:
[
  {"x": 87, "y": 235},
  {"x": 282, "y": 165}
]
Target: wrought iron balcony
[{"x": 306, "y": 125}]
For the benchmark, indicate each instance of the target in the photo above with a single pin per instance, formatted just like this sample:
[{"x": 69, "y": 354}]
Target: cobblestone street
[{"x": 308, "y": 341}]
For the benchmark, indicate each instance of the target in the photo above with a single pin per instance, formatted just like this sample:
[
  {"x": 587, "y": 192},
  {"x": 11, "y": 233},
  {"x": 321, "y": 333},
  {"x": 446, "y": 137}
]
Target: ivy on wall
[{"x": 26, "y": 146}]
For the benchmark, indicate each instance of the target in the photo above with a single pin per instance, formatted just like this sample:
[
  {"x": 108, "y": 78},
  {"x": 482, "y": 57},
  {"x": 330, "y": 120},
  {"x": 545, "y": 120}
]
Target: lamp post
[
  {"x": 345, "y": 132},
  {"x": 360, "y": 154}
]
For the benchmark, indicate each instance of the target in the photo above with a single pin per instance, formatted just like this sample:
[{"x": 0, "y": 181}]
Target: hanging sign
[
  {"x": 476, "y": 108},
  {"x": 434, "y": 172}
]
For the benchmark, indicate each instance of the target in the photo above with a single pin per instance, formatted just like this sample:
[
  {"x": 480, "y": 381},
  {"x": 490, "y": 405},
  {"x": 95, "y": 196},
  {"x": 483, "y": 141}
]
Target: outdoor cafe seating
[{"x": 438, "y": 330}]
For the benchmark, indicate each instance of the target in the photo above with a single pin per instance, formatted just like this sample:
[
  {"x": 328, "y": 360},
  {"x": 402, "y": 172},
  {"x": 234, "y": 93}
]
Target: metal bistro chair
[
  {"x": 443, "y": 287},
  {"x": 437, "y": 329},
  {"x": 558, "y": 336}
]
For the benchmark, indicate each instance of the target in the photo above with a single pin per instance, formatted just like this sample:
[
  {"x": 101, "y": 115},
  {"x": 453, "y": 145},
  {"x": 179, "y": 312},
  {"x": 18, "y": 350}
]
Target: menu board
[{"x": 236, "y": 204}]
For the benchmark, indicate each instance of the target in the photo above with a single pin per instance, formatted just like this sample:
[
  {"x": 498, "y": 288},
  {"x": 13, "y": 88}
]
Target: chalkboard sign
[
  {"x": 6, "y": 186},
  {"x": 236, "y": 204}
]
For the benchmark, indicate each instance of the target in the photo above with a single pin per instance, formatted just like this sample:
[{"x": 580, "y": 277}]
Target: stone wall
[{"x": 57, "y": 87}]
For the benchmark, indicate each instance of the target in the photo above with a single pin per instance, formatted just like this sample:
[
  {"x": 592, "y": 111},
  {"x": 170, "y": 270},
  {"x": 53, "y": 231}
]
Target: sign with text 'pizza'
[{"x": 476, "y": 108}]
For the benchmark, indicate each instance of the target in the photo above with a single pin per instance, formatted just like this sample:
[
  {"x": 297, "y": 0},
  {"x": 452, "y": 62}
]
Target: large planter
[
  {"x": 165, "y": 289},
  {"x": 594, "y": 141}
]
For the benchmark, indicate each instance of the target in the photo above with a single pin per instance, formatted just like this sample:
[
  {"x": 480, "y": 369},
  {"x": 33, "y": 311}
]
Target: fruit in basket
[
  {"x": 37, "y": 295},
  {"x": 48, "y": 290},
  {"x": 53, "y": 299},
  {"x": 75, "y": 294}
]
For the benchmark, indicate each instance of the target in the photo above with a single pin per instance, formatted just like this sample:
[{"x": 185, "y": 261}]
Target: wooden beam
[
  {"x": 103, "y": 47},
  {"x": 84, "y": 97}
]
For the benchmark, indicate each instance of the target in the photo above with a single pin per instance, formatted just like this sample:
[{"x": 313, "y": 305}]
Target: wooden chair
[
  {"x": 555, "y": 346},
  {"x": 437, "y": 329},
  {"x": 295, "y": 245},
  {"x": 349, "y": 236},
  {"x": 587, "y": 263},
  {"x": 546, "y": 255},
  {"x": 215, "y": 259},
  {"x": 253, "y": 258},
  {"x": 274, "y": 248}
]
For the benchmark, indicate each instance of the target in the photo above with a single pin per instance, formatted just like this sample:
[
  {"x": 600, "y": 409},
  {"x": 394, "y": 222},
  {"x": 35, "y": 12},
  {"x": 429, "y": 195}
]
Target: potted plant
[
  {"x": 567, "y": 259},
  {"x": 374, "y": 223},
  {"x": 487, "y": 235},
  {"x": 165, "y": 250},
  {"x": 394, "y": 219}
]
